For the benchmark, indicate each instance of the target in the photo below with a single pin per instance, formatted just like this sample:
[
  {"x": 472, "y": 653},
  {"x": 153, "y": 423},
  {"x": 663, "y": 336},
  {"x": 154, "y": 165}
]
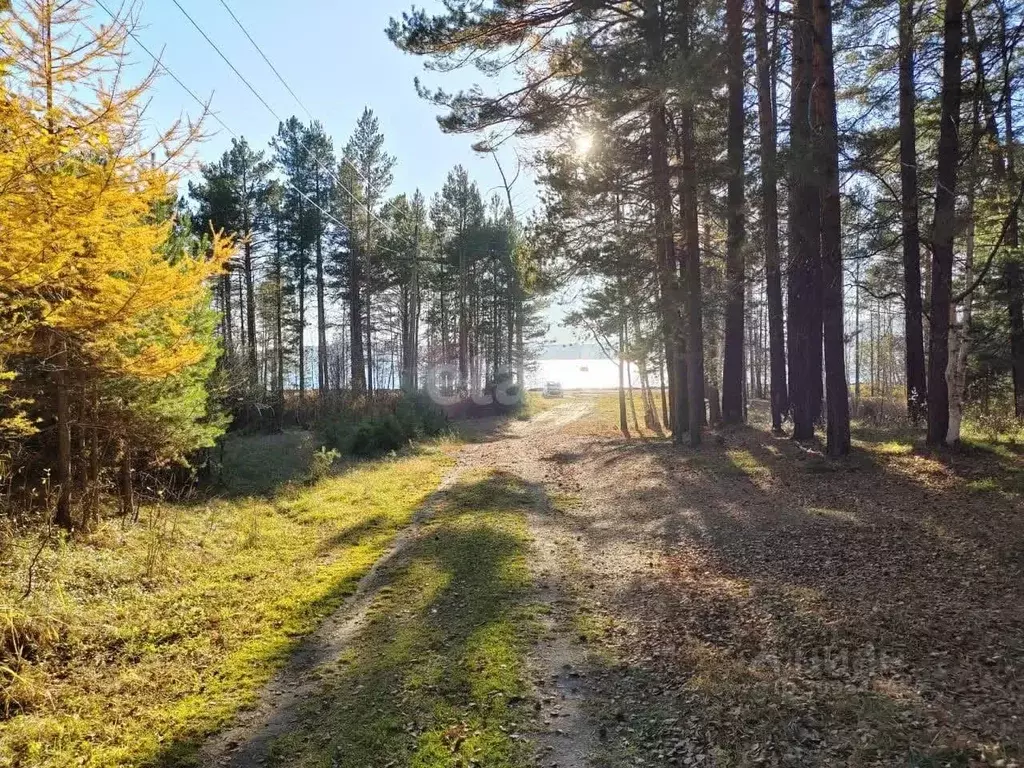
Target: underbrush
[
  {"x": 138, "y": 641},
  {"x": 411, "y": 417}
]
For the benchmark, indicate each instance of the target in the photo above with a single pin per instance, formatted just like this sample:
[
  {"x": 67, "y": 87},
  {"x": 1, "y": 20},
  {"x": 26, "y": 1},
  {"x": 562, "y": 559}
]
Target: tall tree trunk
[
  {"x": 770, "y": 212},
  {"x": 623, "y": 418},
  {"x": 463, "y": 318},
  {"x": 324, "y": 383},
  {"x": 837, "y": 391},
  {"x": 355, "y": 300},
  {"x": 959, "y": 346},
  {"x": 664, "y": 246},
  {"x": 917, "y": 392},
  {"x": 1014, "y": 266},
  {"x": 732, "y": 364},
  {"x": 691, "y": 244},
  {"x": 279, "y": 331},
  {"x": 225, "y": 297},
  {"x": 944, "y": 222},
  {"x": 250, "y": 312},
  {"x": 804, "y": 239}
]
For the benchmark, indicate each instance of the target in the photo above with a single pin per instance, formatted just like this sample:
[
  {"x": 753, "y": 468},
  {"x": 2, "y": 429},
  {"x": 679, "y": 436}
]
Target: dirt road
[{"x": 745, "y": 604}]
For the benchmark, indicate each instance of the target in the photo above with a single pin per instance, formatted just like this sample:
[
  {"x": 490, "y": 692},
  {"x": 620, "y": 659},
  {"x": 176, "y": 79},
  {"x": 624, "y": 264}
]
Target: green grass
[
  {"x": 535, "y": 403},
  {"x": 138, "y": 642},
  {"x": 437, "y": 677},
  {"x": 603, "y": 419}
]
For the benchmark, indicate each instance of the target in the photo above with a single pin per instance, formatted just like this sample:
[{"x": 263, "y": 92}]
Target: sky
[{"x": 336, "y": 57}]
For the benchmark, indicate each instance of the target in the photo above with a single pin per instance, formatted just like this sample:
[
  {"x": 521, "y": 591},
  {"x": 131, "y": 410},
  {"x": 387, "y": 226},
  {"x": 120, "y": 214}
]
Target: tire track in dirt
[{"x": 564, "y": 736}]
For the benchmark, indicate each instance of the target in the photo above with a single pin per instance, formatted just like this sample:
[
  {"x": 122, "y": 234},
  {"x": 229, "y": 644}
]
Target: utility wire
[
  {"x": 288, "y": 88},
  {"x": 206, "y": 108},
  {"x": 269, "y": 63},
  {"x": 270, "y": 109}
]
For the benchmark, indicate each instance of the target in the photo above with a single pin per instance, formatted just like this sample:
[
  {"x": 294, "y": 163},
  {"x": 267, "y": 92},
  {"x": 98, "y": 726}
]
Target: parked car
[{"x": 553, "y": 389}]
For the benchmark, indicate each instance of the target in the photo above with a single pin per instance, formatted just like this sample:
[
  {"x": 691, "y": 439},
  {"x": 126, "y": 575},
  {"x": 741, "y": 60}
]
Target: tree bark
[
  {"x": 691, "y": 244},
  {"x": 917, "y": 391},
  {"x": 837, "y": 391},
  {"x": 959, "y": 346},
  {"x": 664, "y": 246},
  {"x": 355, "y": 300},
  {"x": 770, "y": 213},
  {"x": 732, "y": 363},
  {"x": 804, "y": 320},
  {"x": 944, "y": 222}
]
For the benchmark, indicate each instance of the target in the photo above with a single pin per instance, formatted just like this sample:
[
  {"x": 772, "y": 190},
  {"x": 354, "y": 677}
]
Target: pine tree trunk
[
  {"x": 301, "y": 332},
  {"x": 837, "y": 391},
  {"x": 358, "y": 364},
  {"x": 664, "y": 246},
  {"x": 323, "y": 382},
  {"x": 691, "y": 244},
  {"x": 279, "y": 402},
  {"x": 732, "y": 364},
  {"x": 944, "y": 223},
  {"x": 1014, "y": 267},
  {"x": 250, "y": 310},
  {"x": 770, "y": 213},
  {"x": 959, "y": 346},
  {"x": 225, "y": 295},
  {"x": 917, "y": 392},
  {"x": 804, "y": 239}
]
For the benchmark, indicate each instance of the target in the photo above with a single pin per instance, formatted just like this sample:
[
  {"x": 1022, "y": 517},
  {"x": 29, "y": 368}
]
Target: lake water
[{"x": 581, "y": 374}]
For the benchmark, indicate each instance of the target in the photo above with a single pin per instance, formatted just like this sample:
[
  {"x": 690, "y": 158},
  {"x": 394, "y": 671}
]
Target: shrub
[
  {"x": 374, "y": 433},
  {"x": 320, "y": 465}
]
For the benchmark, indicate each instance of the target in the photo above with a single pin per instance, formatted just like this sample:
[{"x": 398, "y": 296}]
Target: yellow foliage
[{"x": 94, "y": 286}]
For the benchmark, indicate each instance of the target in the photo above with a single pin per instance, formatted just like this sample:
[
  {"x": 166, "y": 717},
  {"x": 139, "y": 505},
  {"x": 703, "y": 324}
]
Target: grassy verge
[
  {"x": 535, "y": 403},
  {"x": 603, "y": 418},
  {"x": 437, "y": 677},
  {"x": 139, "y": 641}
]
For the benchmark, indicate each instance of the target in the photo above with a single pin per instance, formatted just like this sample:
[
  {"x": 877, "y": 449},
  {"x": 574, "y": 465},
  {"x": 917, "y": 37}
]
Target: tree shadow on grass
[
  {"x": 437, "y": 670},
  {"x": 807, "y": 610},
  {"x": 434, "y": 664}
]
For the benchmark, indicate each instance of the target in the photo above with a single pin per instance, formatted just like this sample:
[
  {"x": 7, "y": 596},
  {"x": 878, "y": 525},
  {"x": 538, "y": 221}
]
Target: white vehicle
[{"x": 553, "y": 389}]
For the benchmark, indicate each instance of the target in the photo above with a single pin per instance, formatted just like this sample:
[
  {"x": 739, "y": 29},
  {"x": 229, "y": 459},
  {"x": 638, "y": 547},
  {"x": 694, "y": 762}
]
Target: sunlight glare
[{"x": 584, "y": 143}]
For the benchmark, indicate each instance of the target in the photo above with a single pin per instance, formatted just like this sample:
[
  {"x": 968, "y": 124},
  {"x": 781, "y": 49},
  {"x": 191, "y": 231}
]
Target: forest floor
[
  {"x": 573, "y": 599},
  {"x": 545, "y": 592}
]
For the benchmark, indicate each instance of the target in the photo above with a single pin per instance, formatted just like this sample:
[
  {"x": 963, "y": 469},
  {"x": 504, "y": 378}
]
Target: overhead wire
[
  {"x": 206, "y": 107},
  {"x": 281, "y": 79},
  {"x": 330, "y": 172}
]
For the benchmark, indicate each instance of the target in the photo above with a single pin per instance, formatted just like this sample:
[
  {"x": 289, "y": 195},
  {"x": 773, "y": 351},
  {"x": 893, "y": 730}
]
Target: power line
[
  {"x": 227, "y": 61},
  {"x": 290, "y": 90},
  {"x": 269, "y": 63},
  {"x": 206, "y": 108},
  {"x": 270, "y": 109}
]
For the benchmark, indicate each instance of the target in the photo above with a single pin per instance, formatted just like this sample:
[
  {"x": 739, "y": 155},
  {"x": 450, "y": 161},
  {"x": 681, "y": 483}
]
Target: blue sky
[{"x": 335, "y": 56}]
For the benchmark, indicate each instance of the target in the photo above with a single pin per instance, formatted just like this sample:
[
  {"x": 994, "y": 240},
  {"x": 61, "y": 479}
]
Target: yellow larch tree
[{"x": 98, "y": 297}]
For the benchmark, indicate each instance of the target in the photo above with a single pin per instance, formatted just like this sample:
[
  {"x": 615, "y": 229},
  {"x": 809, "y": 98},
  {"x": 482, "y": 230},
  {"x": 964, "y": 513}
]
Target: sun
[{"x": 584, "y": 142}]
